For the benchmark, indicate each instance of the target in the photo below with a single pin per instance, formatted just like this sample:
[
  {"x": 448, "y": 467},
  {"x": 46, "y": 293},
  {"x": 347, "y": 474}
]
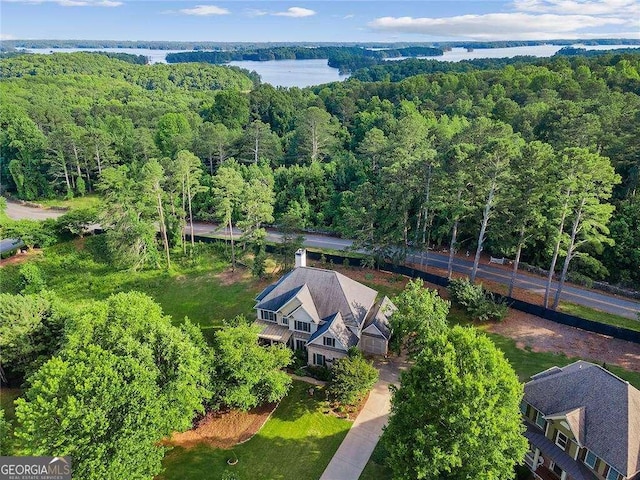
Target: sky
[{"x": 318, "y": 21}]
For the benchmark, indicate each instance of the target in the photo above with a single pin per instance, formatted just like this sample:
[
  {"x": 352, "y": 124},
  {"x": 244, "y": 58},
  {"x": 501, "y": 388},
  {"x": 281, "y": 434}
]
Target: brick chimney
[{"x": 301, "y": 258}]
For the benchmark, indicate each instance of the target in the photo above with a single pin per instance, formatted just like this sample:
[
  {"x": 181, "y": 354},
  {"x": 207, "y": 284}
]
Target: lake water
[{"x": 305, "y": 73}]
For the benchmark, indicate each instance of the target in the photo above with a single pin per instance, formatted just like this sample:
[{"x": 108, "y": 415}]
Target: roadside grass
[
  {"x": 75, "y": 271},
  {"x": 87, "y": 201},
  {"x": 601, "y": 317},
  {"x": 296, "y": 443}
]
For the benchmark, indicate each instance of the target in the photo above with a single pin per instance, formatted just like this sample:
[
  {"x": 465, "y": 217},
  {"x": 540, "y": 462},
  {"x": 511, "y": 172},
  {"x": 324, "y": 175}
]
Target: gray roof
[
  {"x": 550, "y": 451},
  {"x": 331, "y": 292},
  {"x": 10, "y": 244},
  {"x": 602, "y": 407},
  {"x": 379, "y": 316},
  {"x": 336, "y": 326}
]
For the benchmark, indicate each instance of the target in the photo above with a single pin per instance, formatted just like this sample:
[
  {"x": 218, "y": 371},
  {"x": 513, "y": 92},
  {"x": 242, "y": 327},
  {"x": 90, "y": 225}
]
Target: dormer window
[
  {"x": 329, "y": 342},
  {"x": 613, "y": 474},
  {"x": 267, "y": 315},
  {"x": 540, "y": 421},
  {"x": 590, "y": 459},
  {"x": 561, "y": 440}
]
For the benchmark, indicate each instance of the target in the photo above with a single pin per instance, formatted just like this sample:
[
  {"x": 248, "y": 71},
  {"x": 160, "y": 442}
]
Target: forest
[{"x": 537, "y": 161}]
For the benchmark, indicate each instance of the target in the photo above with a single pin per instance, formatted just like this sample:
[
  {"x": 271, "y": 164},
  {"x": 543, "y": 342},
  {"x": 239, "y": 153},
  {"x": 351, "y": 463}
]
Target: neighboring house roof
[
  {"x": 576, "y": 470},
  {"x": 336, "y": 326},
  {"x": 10, "y": 244},
  {"x": 603, "y": 409},
  {"x": 330, "y": 291},
  {"x": 379, "y": 317}
]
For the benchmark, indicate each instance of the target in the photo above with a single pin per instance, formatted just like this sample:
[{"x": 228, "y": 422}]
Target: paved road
[
  {"x": 356, "y": 448},
  {"x": 590, "y": 298}
]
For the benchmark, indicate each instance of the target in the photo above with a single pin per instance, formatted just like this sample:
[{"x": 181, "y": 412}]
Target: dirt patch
[
  {"x": 19, "y": 258},
  {"x": 224, "y": 429},
  {"x": 542, "y": 335},
  {"x": 229, "y": 277}
]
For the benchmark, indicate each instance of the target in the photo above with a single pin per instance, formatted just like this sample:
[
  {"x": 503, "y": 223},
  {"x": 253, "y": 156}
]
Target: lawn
[
  {"x": 295, "y": 444},
  {"x": 88, "y": 201},
  {"x": 197, "y": 289},
  {"x": 598, "y": 316}
]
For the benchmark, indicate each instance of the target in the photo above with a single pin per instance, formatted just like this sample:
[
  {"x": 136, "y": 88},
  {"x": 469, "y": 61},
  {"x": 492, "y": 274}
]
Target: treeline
[
  {"x": 345, "y": 58},
  {"x": 399, "y": 70},
  {"x": 516, "y": 161}
]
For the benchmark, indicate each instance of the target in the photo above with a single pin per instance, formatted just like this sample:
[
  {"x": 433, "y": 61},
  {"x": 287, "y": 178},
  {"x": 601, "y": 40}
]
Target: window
[
  {"x": 303, "y": 326},
  {"x": 318, "y": 359},
  {"x": 590, "y": 459},
  {"x": 268, "y": 316},
  {"x": 523, "y": 407},
  {"x": 300, "y": 344},
  {"x": 329, "y": 342},
  {"x": 613, "y": 474},
  {"x": 540, "y": 421},
  {"x": 556, "y": 469},
  {"x": 285, "y": 320},
  {"x": 561, "y": 440}
]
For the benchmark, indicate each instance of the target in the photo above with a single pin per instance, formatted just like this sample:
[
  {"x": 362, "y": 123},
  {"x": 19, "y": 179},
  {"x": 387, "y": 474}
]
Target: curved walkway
[{"x": 353, "y": 454}]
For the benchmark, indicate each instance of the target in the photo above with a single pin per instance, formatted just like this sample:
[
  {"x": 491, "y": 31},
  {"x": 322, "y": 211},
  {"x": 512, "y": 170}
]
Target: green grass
[
  {"x": 190, "y": 289},
  {"x": 296, "y": 443},
  {"x": 75, "y": 203},
  {"x": 598, "y": 316}
]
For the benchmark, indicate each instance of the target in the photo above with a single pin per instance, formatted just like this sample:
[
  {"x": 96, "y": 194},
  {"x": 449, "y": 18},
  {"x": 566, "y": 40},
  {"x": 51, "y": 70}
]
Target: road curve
[{"x": 581, "y": 296}]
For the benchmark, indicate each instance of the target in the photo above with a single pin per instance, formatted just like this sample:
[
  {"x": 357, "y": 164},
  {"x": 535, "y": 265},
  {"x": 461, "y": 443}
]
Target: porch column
[
  {"x": 536, "y": 457},
  {"x": 563, "y": 476}
]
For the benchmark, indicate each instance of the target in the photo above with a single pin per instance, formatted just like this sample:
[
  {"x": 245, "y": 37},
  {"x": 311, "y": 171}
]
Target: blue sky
[{"x": 328, "y": 20}]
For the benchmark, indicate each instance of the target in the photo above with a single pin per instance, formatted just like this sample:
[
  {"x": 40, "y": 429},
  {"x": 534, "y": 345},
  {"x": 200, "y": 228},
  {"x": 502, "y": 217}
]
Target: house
[
  {"x": 583, "y": 423},
  {"x": 324, "y": 313}
]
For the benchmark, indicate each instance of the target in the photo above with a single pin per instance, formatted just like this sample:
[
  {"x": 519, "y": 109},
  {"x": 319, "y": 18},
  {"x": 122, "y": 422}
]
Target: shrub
[
  {"x": 479, "y": 303},
  {"x": 352, "y": 378},
  {"x": 319, "y": 373},
  {"x": 32, "y": 279}
]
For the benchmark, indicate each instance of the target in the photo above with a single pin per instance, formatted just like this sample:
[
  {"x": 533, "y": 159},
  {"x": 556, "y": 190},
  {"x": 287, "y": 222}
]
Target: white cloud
[
  {"x": 347, "y": 17},
  {"x": 7, "y": 36},
  {"x": 254, "y": 12},
  {"x": 580, "y": 7},
  {"x": 205, "y": 10},
  {"x": 296, "y": 12},
  {"x": 72, "y": 3},
  {"x": 497, "y": 26}
]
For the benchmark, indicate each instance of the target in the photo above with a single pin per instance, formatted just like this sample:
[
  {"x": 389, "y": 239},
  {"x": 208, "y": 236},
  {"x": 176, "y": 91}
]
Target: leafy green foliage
[
  {"x": 78, "y": 221},
  {"x": 478, "y": 303},
  {"x": 31, "y": 330},
  {"x": 32, "y": 280},
  {"x": 246, "y": 374},
  {"x": 352, "y": 377},
  {"x": 98, "y": 407},
  {"x": 123, "y": 379},
  {"x": 456, "y": 413},
  {"x": 420, "y": 314}
]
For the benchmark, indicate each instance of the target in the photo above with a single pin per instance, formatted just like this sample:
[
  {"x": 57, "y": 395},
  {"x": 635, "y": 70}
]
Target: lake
[{"x": 305, "y": 73}]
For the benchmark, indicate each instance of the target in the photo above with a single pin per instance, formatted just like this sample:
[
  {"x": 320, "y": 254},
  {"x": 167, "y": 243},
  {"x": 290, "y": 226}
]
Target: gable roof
[
  {"x": 379, "y": 317},
  {"x": 338, "y": 329},
  {"x": 604, "y": 410},
  {"x": 330, "y": 292}
]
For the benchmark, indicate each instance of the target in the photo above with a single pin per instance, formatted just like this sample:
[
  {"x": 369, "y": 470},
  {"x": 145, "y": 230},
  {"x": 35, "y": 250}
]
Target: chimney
[{"x": 301, "y": 258}]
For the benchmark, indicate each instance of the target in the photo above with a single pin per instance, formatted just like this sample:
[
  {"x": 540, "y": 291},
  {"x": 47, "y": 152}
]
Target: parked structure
[
  {"x": 323, "y": 312},
  {"x": 583, "y": 423}
]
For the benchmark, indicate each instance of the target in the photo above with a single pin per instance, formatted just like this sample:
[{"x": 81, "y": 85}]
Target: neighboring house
[
  {"x": 323, "y": 312},
  {"x": 583, "y": 423}
]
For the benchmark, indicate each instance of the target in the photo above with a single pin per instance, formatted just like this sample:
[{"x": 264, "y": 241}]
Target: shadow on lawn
[{"x": 274, "y": 458}]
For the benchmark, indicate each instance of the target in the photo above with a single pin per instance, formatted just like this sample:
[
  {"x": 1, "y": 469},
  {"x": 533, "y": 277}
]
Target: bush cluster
[{"x": 479, "y": 303}]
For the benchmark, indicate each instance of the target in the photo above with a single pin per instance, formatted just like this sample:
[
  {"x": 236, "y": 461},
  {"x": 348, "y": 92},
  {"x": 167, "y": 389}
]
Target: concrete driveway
[{"x": 356, "y": 448}]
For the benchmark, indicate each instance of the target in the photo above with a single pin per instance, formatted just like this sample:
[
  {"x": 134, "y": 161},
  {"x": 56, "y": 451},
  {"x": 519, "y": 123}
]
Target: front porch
[{"x": 273, "y": 333}]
